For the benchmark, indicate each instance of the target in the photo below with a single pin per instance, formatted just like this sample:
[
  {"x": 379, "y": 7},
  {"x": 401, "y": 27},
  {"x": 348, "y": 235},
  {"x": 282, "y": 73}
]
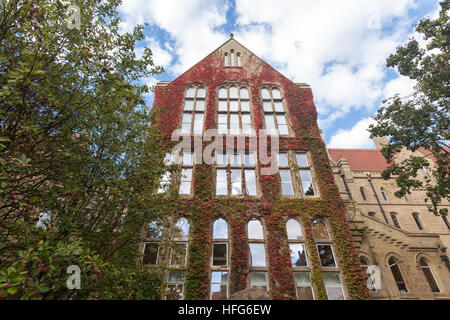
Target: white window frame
[{"x": 194, "y": 112}]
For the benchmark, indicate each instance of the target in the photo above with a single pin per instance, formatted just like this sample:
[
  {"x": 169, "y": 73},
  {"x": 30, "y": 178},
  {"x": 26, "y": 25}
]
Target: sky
[{"x": 338, "y": 47}]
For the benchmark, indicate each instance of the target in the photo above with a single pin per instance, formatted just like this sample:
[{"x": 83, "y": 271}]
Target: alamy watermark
[
  {"x": 73, "y": 17},
  {"x": 74, "y": 281}
]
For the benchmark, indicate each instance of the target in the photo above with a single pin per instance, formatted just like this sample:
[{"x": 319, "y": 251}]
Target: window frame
[
  {"x": 397, "y": 264},
  {"x": 194, "y": 112},
  {"x": 262, "y": 242},
  {"x": 168, "y": 283},
  {"x": 428, "y": 267},
  {"x": 223, "y": 268}
]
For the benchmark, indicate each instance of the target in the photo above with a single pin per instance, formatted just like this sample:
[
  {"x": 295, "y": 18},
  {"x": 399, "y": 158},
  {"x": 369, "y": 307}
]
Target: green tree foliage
[
  {"x": 76, "y": 152},
  {"x": 420, "y": 120}
]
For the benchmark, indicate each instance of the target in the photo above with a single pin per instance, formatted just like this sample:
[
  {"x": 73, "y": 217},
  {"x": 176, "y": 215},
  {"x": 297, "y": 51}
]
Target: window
[
  {"x": 397, "y": 274},
  {"x": 428, "y": 275},
  {"x": 151, "y": 249},
  {"x": 296, "y": 244},
  {"x": 219, "y": 269},
  {"x": 326, "y": 255},
  {"x": 288, "y": 177},
  {"x": 219, "y": 285},
  {"x": 234, "y": 110},
  {"x": 417, "y": 220},
  {"x": 383, "y": 194},
  {"x": 303, "y": 286},
  {"x": 232, "y": 59},
  {"x": 395, "y": 220},
  {"x": 175, "y": 285},
  {"x": 363, "y": 193},
  {"x": 164, "y": 182},
  {"x": 333, "y": 286},
  {"x": 372, "y": 214},
  {"x": 319, "y": 228},
  {"x": 274, "y": 114},
  {"x": 179, "y": 250},
  {"x": 186, "y": 173},
  {"x": 256, "y": 244},
  {"x": 258, "y": 279},
  {"x": 194, "y": 109},
  {"x": 236, "y": 174}
]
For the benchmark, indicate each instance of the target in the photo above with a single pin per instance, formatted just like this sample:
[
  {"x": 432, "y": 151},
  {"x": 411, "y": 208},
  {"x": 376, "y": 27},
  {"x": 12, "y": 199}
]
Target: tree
[
  {"x": 421, "y": 120},
  {"x": 76, "y": 152}
]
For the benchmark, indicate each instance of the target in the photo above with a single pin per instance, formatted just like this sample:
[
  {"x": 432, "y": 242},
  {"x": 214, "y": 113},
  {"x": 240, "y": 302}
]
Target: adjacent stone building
[
  {"x": 235, "y": 224},
  {"x": 407, "y": 242}
]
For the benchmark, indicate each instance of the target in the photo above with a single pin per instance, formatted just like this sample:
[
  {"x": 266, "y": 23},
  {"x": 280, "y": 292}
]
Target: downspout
[
  {"x": 346, "y": 186},
  {"x": 376, "y": 197}
]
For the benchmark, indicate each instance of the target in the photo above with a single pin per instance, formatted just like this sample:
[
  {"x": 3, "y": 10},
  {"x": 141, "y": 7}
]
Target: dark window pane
[
  {"x": 326, "y": 255},
  {"x": 320, "y": 229},
  {"x": 219, "y": 254},
  {"x": 398, "y": 277},
  {"x": 174, "y": 292},
  {"x": 150, "y": 253}
]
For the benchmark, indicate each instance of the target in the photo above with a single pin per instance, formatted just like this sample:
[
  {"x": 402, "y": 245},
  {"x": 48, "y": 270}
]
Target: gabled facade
[{"x": 285, "y": 232}]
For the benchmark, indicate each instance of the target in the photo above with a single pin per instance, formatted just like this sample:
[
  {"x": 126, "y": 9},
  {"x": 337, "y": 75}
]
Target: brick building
[{"x": 233, "y": 226}]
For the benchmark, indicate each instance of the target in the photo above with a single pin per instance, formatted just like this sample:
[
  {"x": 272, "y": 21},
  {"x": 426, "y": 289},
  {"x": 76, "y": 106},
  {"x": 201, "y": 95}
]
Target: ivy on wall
[{"x": 203, "y": 207}]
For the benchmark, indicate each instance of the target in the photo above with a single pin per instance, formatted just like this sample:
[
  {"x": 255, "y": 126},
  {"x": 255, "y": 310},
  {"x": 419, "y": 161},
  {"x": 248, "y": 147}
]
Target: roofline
[{"x": 298, "y": 84}]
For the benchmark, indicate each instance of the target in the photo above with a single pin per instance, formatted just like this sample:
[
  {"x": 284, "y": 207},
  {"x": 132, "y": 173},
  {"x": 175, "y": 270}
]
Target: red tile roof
[{"x": 360, "y": 159}]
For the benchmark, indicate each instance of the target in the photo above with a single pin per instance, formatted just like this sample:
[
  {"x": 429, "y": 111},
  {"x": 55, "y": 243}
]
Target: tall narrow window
[
  {"x": 429, "y": 275},
  {"x": 193, "y": 111},
  {"x": 320, "y": 230},
  {"x": 258, "y": 273},
  {"x": 179, "y": 249},
  {"x": 151, "y": 247},
  {"x": 164, "y": 182},
  {"x": 232, "y": 57},
  {"x": 397, "y": 274},
  {"x": 295, "y": 175},
  {"x": 236, "y": 174},
  {"x": 395, "y": 220},
  {"x": 219, "y": 268},
  {"x": 303, "y": 286},
  {"x": 333, "y": 286},
  {"x": 225, "y": 59},
  {"x": 383, "y": 194},
  {"x": 234, "y": 110},
  {"x": 305, "y": 174},
  {"x": 417, "y": 220},
  {"x": 186, "y": 173},
  {"x": 274, "y": 113},
  {"x": 363, "y": 193},
  {"x": 175, "y": 285},
  {"x": 238, "y": 55},
  {"x": 296, "y": 244},
  {"x": 285, "y": 175}
]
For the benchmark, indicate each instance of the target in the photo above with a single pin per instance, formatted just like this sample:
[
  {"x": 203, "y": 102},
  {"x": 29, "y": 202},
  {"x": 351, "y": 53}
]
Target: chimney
[{"x": 380, "y": 142}]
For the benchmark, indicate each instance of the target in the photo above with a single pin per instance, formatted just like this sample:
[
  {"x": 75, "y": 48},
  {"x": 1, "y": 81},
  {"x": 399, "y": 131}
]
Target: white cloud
[
  {"x": 401, "y": 85},
  {"x": 356, "y": 137}
]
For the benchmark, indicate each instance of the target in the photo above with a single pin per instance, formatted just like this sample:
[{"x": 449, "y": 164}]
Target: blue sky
[{"x": 338, "y": 47}]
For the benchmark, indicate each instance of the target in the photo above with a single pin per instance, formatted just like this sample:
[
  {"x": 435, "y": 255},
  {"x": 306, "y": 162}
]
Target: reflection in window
[
  {"x": 220, "y": 254},
  {"x": 333, "y": 286},
  {"x": 303, "y": 285},
  {"x": 154, "y": 230},
  {"x": 235, "y": 174},
  {"x": 220, "y": 229},
  {"x": 274, "y": 114},
  {"x": 257, "y": 255},
  {"x": 397, "y": 274},
  {"x": 258, "y": 279},
  {"x": 429, "y": 275},
  {"x": 288, "y": 172},
  {"x": 255, "y": 230},
  {"x": 219, "y": 285},
  {"x": 298, "y": 255},
  {"x": 194, "y": 108},
  {"x": 326, "y": 255},
  {"x": 233, "y": 111},
  {"x": 319, "y": 228},
  {"x": 178, "y": 254},
  {"x": 151, "y": 250},
  {"x": 175, "y": 285},
  {"x": 294, "y": 230},
  {"x": 186, "y": 173}
]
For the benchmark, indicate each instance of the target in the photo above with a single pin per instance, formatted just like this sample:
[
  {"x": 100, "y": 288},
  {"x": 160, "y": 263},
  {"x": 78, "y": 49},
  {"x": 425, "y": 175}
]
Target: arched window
[
  {"x": 274, "y": 113},
  {"x": 182, "y": 229},
  {"x": 299, "y": 261},
  {"x": 320, "y": 230},
  {"x": 219, "y": 268},
  {"x": 429, "y": 275},
  {"x": 395, "y": 220},
  {"x": 383, "y": 194},
  {"x": 397, "y": 274},
  {"x": 363, "y": 193},
  {"x": 417, "y": 220},
  {"x": 193, "y": 110},
  {"x": 258, "y": 272}
]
